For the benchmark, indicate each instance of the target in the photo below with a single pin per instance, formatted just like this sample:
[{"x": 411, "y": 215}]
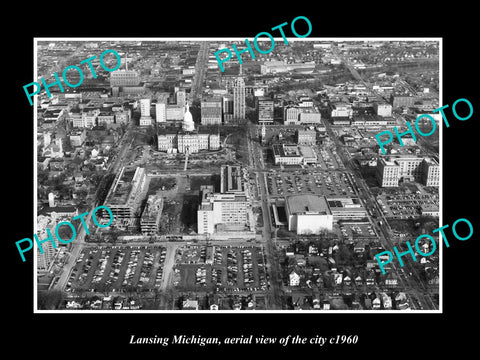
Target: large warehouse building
[{"x": 308, "y": 214}]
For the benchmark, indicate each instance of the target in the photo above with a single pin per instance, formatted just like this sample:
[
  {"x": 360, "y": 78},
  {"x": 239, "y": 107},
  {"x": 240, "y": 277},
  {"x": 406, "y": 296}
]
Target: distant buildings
[
  {"x": 239, "y": 99},
  {"x": 275, "y": 67},
  {"x": 423, "y": 170},
  {"x": 403, "y": 101},
  {"x": 124, "y": 78},
  {"x": 308, "y": 214}
]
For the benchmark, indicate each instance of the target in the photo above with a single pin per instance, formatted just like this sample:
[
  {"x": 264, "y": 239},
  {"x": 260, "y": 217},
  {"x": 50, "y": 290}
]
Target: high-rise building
[
  {"x": 239, "y": 99},
  {"x": 145, "y": 118},
  {"x": 161, "y": 112},
  {"x": 264, "y": 110},
  {"x": 45, "y": 259},
  {"x": 211, "y": 111}
]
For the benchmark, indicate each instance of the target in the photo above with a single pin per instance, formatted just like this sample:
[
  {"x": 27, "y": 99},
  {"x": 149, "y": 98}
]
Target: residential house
[{"x": 294, "y": 278}]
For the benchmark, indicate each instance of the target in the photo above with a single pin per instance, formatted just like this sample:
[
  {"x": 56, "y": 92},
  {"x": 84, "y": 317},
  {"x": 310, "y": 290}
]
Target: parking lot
[
  {"x": 329, "y": 183},
  {"x": 357, "y": 230},
  {"x": 227, "y": 268},
  {"x": 406, "y": 206},
  {"x": 117, "y": 268}
]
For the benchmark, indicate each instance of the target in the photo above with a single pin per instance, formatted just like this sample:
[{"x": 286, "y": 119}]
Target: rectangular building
[
  {"x": 308, "y": 214},
  {"x": 390, "y": 171},
  {"x": 150, "y": 220},
  {"x": 211, "y": 111},
  {"x": 306, "y": 137},
  {"x": 126, "y": 193},
  {"x": 264, "y": 110}
]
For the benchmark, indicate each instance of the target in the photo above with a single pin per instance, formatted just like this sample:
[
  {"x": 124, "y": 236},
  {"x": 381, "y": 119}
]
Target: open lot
[
  {"x": 330, "y": 183},
  {"x": 225, "y": 268},
  {"x": 117, "y": 268}
]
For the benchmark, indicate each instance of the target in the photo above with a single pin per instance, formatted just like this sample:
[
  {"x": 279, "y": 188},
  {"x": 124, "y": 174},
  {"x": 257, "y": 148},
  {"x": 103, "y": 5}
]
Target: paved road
[
  {"x": 275, "y": 298},
  {"x": 79, "y": 242},
  {"x": 197, "y": 83}
]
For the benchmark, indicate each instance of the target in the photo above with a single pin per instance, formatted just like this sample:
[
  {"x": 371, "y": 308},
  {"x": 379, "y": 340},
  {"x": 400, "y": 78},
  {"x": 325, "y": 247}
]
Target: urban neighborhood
[{"x": 259, "y": 187}]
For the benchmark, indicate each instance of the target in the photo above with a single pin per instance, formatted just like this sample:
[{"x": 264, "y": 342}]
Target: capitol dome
[{"x": 188, "y": 124}]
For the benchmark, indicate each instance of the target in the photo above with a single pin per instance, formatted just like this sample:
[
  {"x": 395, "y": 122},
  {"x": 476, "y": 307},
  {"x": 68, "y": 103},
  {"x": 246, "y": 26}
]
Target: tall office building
[
  {"x": 211, "y": 111},
  {"x": 145, "y": 118},
  {"x": 239, "y": 99},
  {"x": 265, "y": 110},
  {"x": 161, "y": 112}
]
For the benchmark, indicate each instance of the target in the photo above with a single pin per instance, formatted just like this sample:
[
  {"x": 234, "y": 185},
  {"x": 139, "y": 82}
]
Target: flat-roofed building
[
  {"x": 431, "y": 172},
  {"x": 122, "y": 78},
  {"x": 264, "y": 110},
  {"x": 150, "y": 220},
  {"x": 77, "y": 137},
  {"x": 308, "y": 214},
  {"x": 228, "y": 210},
  {"x": 286, "y": 154},
  {"x": 346, "y": 208},
  {"x": 126, "y": 193},
  {"x": 291, "y": 114},
  {"x": 387, "y": 173},
  {"x": 292, "y": 154},
  {"x": 231, "y": 180},
  {"x": 105, "y": 118},
  {"x": 407, "y": 168},
  {"x": 211, "y": 111},
  {"x": 306, "y": 137}
]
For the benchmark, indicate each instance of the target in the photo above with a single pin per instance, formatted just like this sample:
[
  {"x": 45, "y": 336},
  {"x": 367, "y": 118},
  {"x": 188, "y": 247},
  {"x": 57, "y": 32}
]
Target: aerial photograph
[{"x": 170, "y": 179}]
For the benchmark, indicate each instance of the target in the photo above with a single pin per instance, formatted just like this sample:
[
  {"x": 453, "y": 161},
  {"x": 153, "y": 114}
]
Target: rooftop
[{"x": 307, "y": 204}]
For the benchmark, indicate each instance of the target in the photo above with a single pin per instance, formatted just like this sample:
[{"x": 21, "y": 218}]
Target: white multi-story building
[
  {"x": 145, "y": 118},
  {"x": 391, "y": 170},
  {"x": 383, "y": 109},
  {"x": 161, "y": 112},
  {"x": 228, "y": 210}
]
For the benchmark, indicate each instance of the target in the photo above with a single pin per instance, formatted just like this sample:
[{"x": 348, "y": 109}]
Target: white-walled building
[{"x": 308, "y": 214}]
